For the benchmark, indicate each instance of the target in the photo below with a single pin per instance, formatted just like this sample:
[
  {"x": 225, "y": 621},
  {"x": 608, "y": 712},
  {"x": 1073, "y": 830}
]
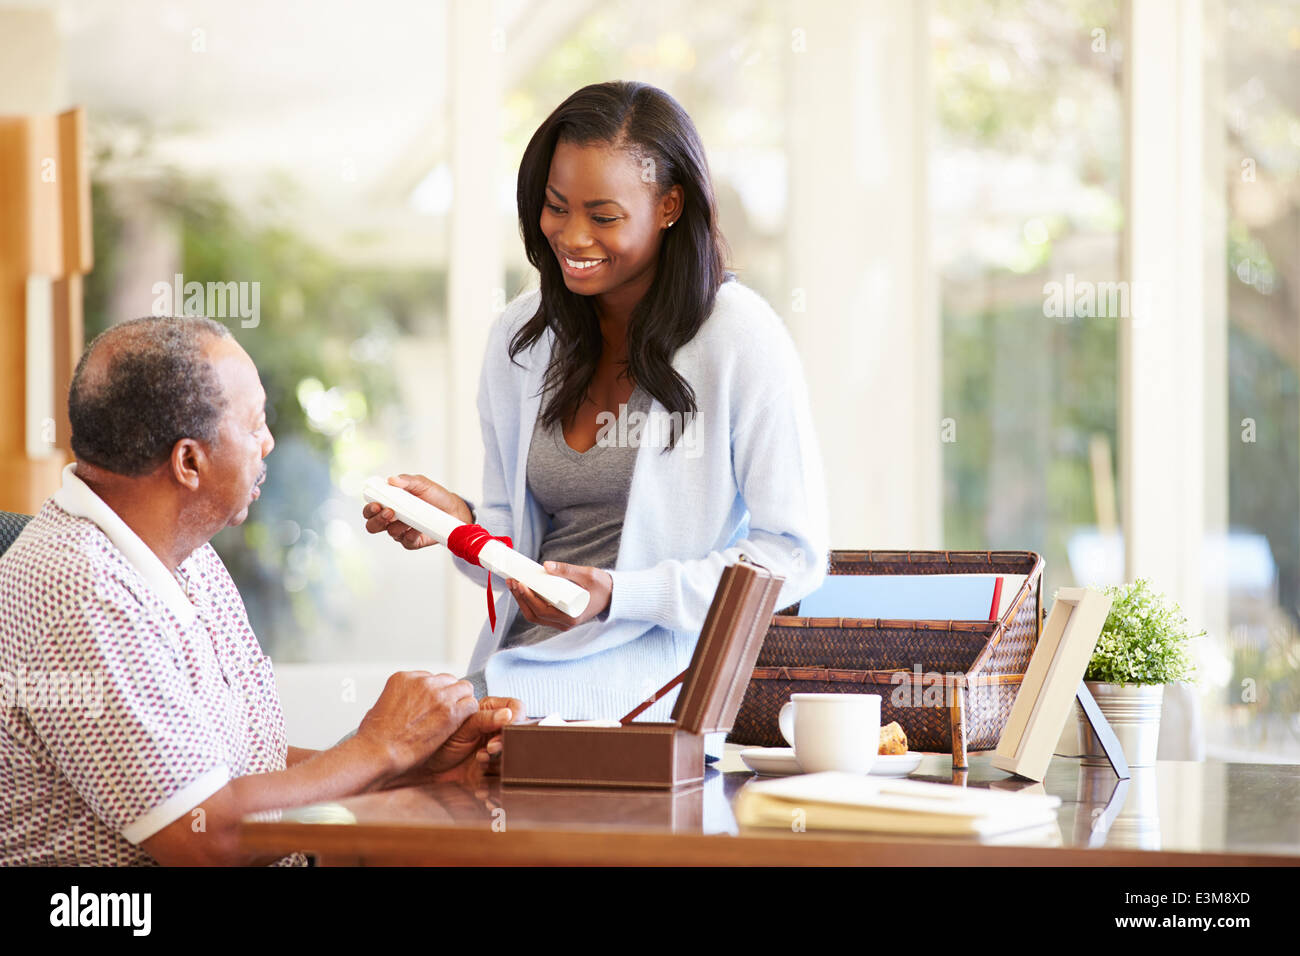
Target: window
[
  {"x": 1257, "y": 710},
  {"x": 1025, "y": 171}
]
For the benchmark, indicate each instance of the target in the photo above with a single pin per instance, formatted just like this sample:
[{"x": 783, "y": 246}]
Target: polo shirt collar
[{"x": 76, "y": 498}]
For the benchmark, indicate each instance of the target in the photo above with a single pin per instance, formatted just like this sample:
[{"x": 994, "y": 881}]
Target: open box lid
[{"x": 727, "y": 650}]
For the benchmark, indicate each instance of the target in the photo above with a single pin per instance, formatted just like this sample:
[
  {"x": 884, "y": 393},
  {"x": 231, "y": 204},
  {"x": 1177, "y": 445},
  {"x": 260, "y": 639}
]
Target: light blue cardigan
[{"x": 750, "y": 482}]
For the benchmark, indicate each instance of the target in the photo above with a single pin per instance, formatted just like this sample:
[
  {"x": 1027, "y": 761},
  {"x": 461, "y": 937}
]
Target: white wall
[
  {"x": 324, "y": 702},
  {"x": 862, "y": 307}
]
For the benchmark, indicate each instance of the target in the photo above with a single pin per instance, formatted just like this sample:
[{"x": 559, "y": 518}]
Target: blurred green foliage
[
  {"x": 1022, "y": 86},
  {"x": 1040, "y": 82},
  {"x": 322, "y": 344},
  {"x": 1265, "y": 684}
]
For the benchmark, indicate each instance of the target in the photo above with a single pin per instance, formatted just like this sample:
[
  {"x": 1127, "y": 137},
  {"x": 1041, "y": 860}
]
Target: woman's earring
[{"x": 670, "y": 225}]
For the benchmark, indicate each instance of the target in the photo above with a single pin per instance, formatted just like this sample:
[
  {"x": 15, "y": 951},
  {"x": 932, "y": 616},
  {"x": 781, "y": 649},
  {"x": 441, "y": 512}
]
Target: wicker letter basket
[{"x": 949, "y": 684}]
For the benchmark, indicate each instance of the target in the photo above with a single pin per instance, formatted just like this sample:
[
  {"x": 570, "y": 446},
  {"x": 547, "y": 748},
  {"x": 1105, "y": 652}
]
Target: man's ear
[{"x": 188, "y": 462}]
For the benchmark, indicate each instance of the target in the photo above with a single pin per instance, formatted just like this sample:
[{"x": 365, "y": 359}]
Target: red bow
[{"x": 466, "y": 542}]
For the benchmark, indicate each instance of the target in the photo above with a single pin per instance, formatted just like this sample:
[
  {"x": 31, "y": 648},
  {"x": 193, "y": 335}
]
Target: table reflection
[{"x": 1209, "y": 806}]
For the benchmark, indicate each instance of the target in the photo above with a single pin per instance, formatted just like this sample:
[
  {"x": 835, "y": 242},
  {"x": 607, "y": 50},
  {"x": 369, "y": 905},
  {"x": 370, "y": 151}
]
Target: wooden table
[{"x": 1173, "y": 814}]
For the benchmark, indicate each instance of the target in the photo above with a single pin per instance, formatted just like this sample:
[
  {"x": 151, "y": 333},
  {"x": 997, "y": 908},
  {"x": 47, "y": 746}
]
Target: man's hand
[
  {"x": 378, "y": 518},
  {"x": 467, "y": 754},
  {"x": 482, "y": 731},
  {"x": 415, "y": 715},
  {"x": 535, "y": 608}
]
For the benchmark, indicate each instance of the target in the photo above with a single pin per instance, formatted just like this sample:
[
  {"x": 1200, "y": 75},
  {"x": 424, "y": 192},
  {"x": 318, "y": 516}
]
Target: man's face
[{"x": 244, "y": 439}]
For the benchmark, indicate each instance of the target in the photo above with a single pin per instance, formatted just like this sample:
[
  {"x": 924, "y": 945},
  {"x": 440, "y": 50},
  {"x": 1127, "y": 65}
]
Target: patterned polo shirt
[{"x": 130, "y": 695}]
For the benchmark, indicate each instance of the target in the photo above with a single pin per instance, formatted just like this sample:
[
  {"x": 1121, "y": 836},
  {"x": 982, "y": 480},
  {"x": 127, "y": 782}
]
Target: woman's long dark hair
[{"x": 692, "y": 257}]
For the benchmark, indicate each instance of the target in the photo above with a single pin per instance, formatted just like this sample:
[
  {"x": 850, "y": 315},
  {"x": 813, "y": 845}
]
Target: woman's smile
[{"x": 581, "y": 268}]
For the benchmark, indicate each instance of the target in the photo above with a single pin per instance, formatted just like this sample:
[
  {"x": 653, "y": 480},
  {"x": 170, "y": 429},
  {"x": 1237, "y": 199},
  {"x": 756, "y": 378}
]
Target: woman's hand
[
  {"x": 470, "y": 751},
  {"x": 538, "y": 611},
  {"x": 482, "y": 732},
  {"x": 378, "y": 518}
]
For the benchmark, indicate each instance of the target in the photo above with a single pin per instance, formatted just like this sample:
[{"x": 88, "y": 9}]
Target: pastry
[{"x": 892, "y": 739}]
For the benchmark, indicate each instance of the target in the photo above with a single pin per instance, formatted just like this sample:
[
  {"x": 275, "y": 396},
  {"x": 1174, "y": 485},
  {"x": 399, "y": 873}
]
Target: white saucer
[
  {"x": 771, "y": 761},
  {"x": 896, "y": 765},
  {"x": 781, "y": 762}
]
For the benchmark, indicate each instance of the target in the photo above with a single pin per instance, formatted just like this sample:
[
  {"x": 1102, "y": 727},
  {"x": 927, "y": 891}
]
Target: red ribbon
[{"x": 466, "y": 542}]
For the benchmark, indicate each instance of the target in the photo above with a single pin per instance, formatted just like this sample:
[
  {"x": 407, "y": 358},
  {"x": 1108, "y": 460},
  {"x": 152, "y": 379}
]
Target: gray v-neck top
[{"x": 585, "y": 496}]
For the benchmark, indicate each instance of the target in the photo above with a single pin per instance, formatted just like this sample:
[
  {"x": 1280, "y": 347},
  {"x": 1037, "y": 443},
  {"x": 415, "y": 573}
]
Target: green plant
[{"x": 1144, "y": 639}]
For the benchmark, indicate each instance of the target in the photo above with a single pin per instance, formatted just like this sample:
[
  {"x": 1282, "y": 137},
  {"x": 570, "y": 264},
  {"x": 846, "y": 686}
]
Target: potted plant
[{"x": 1142, "y": 647}]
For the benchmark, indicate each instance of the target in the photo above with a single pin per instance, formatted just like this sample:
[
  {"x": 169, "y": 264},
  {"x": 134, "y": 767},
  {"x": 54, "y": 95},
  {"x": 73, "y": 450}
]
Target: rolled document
[{"x": 496, "y": 556}]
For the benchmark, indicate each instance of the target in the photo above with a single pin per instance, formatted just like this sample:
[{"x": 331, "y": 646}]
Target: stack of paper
[
  {"x": 845, "y": 801},
  {"x": 913, "y": 597}
]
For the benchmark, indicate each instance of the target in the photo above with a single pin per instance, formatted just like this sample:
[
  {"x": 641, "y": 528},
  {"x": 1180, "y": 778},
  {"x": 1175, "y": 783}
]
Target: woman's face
[{"x": 603, "y": 221}]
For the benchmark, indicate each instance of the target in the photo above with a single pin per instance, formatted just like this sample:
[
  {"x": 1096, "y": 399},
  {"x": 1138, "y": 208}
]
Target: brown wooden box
[
  {"x": 653, "y": 754},
  {"x": 949, "y": 684}
]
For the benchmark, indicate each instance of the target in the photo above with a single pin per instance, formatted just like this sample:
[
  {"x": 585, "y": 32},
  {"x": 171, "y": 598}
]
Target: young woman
[{"x": 644, "y": 416}]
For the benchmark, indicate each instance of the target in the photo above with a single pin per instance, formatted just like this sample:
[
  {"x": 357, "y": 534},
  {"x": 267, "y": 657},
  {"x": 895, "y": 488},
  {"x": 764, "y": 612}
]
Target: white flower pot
[{"x": 1133, "y": 711}]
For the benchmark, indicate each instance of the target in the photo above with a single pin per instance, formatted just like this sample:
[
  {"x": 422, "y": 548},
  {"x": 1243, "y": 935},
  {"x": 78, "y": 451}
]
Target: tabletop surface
[{"x": 1208, "y": 813}]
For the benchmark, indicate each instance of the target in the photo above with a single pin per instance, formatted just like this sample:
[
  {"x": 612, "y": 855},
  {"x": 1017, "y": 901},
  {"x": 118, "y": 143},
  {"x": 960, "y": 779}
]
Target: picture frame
[{"x": 1052, "y": 682}]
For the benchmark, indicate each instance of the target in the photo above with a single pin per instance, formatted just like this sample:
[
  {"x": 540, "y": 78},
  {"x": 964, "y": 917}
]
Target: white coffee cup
[{"x": 832, "y": 731}]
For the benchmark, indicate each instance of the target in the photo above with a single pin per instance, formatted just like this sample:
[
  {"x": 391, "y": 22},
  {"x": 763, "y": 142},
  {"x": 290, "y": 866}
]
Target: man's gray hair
[{"x": 153, "y": 388}]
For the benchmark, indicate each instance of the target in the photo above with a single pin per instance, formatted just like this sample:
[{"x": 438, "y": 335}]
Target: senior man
[{"x": 114, "y": 583}]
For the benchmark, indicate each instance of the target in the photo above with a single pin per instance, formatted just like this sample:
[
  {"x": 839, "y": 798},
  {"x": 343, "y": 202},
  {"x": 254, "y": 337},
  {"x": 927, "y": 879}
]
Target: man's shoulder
[
  {"x": 60, "y": 563},
  {"x": 59, "y": 549}
]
